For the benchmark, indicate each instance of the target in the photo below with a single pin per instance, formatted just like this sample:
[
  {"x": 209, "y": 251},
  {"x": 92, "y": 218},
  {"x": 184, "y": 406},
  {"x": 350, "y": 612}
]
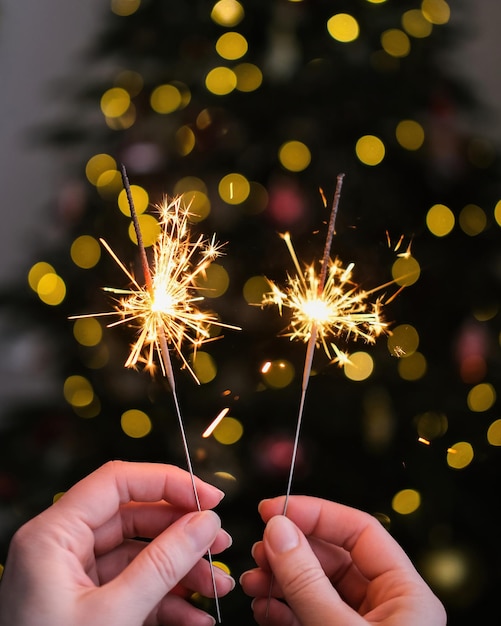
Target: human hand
[
  {"x": 334, "y": 565},
  {"x": 79, "y": 563}
]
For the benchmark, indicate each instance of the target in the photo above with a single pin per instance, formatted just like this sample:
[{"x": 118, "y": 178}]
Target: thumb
[
  {"x": 164, "y": 562},
  {"x": 304, "y": 584}
]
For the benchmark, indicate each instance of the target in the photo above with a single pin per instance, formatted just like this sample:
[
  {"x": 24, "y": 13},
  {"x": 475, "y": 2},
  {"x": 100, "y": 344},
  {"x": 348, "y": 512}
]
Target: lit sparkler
[
  {"x": 324, "y": 306},
  {"x": 165, "y": 310}
]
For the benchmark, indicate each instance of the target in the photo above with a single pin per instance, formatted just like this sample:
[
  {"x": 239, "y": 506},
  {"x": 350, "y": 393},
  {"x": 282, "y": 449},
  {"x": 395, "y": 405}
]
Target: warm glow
[
  {"x": 204, "y": 366},
  {"x": 135, "y": 423},
  {"x": 227, "y": 13},
  {"x": 85, "y": 251},
  {"x": 228, "y": 431},
  {"x": 405, "y": 270},
  {"x": 472, "y": 220},
  {"x": 370, "y": 150},
  {"x": 294, "y": 156},
  {"x": 98, "y": 164},
  {"x": 234, "y": 188},
  {"x": 37, "y": 272},
  {"x": 221, "y": 81},
  {"x": 359, "y": 366},
  {"x": 410, "y": 134},
  {"x": 415, "y": 24},
  {"x": 115, "y": 102},
  {"x": 436, "y": 11},
  {"x": 232, "y": 46},
  {"x": 51, "y": 289},
  {"x": 249, "y": 77},
  {"x": 481, "y": 397},
  {"x": 87, "y": 331},
  {"x": 460, "y": 455},
  {"x": 278, "y": 374},
  {"x": 140, "y": 198},
  {"x": 395, "y": 42},
  {"x": 403, "y": 341},
  {"x": 165, "y": 99},
  {"x": 343, "y": 27},
  {"x": 150, "y": 230},
  {"x": 406, "y": 501},
  {"x": 440, "y": 220}
]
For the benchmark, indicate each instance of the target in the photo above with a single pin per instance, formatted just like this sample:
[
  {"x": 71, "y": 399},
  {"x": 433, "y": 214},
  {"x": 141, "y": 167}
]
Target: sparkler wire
[{"x": 168, "y": 370}]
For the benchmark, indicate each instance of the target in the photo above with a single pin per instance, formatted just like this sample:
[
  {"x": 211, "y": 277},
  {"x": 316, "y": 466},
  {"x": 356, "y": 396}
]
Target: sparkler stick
[
  {"x": 310, "y": 346},
  {"x": 163, "y": 352}
]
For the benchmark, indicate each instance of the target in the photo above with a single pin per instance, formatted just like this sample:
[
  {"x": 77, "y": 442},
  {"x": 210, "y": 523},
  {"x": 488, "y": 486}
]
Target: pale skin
[
  {"x": 79, "y": 562},
  {"x": 334, "y": 565}
]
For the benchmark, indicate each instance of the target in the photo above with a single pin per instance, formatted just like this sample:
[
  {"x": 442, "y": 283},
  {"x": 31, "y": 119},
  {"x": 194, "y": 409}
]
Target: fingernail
[
  {"x": 229, "y": 538},
  {"x": 202, "y": 528},
  {"x": 281, "y": 534}
]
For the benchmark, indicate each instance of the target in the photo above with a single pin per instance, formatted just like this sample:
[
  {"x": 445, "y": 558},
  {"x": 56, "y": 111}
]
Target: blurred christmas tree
[{"x": 247, "y": 108}]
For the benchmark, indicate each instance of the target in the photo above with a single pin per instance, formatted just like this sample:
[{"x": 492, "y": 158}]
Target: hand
[
  {"x": 334, "y": 565},
  {"x": 79, "y": 563}
]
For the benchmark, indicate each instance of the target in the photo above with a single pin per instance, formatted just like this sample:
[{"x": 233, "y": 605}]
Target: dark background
[{"x": 359, "y": 442}]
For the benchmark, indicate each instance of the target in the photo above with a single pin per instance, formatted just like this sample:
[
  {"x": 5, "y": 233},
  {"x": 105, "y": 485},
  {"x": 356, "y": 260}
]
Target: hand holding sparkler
[
  {"x": 164, "y": 310},
  {"x": 334, "y": 565},
  {"x": 80, "y": 562}
]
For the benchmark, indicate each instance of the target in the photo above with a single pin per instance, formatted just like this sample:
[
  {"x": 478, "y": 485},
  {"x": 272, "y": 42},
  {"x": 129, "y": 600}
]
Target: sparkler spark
[
  {"x": 165, "y": 310},
  {"x": 168, "y": 303}
]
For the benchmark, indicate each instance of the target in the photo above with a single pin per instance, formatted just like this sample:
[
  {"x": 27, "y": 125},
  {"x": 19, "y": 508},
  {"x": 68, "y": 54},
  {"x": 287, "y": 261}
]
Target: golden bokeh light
[
  {"x": 199, "y": 204},
  {"x": 185, "y": 140},
  {"x": 376, "y": 1},
  {"x": 124, "y": 121},
  {"x": 140, "y": 198},
  {"x": 494, "y": 433},
  {"x": 403, "y": 341},
  {"x": 214, "y": 282},
  {"x": 85, "y": 251},
  {"x": 51, "y": 289},
  {"x": 98, "y": 164},
  {"x": 125, "y": 7},
  {"x": 165, "y": 99},
  {"x": 227, "y": 13},
  {"x": 436, "y": 11},
  {"x": 481, "y": 397},
  {"x": 440, "y": 220},
  {"x": 255, "y": 288},
  {"x": 295, "y": 156},
  {"x": 278, "y": 374},
  {"x": 87, "y": 331},
  {"x": 78, "y": 391},
  {"x": 413, "y": 367},
  {"x": 221, "y": 81},
  {"x": 406, "y": 501},
  {"x": 359, "y": 366},
  {"x": 431, "y": 425},
  {"x": 37, "y": 272},
  {"x": 410, "y": 134},
  {"x": 370, "y": 150},
  {"x": 472, "y": 220},
  {"x": 109, "y": 184},
  {"x": 115, "y": 102},
  {"x": 204, "y": 366},
  {"x": 415, "y": 24},
  {"x": 232, "y": 46},
  {"x": 396, "y": 43},
  {"x": 90, "y": 410},
  {"x": 460, "y": 455},
  {"x": 150, "y": 230},
  {"x": 405, "y": 270},
  {"x": 234, "y": 188},
  {"x": 135, "y": 423},
  {"x": 343, "y": 27},
  {"x": 228, "y": 431},
  {"x": 497, "y": 213},
  {"x": 249, "y": 77}
]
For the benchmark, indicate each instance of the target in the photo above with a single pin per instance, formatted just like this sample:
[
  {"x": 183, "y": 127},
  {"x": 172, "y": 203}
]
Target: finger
[
  {"x": 257, "y": 583},
  {"x": 373, "y": 550},
  {"x": 96, "y": 498},
  {"x": 144, "y": 520},
  {"x": 335, "y": 562},
  {"x": 163, "y": 563},
  {"x": 308, "y": 591},
  {"x": 175, "y": 611},
  {"x": 273, "y": 613}
]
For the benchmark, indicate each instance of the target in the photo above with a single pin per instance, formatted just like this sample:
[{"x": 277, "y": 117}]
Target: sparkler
[
  {"x": 165, "y": 310},
  {"x": 325, "y": 305}
]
